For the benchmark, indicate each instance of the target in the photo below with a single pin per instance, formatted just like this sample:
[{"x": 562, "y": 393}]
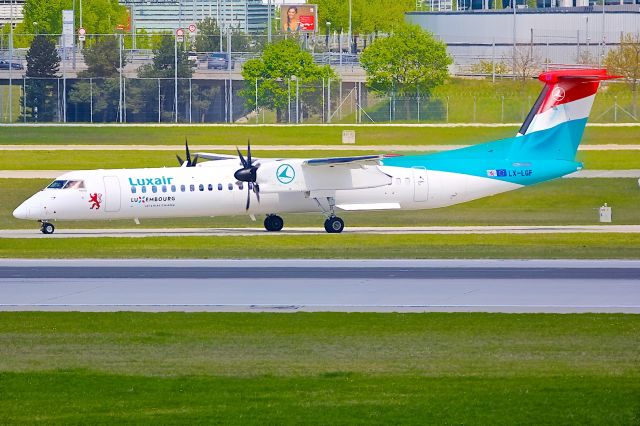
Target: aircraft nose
[{"x": 21, "y": 212}]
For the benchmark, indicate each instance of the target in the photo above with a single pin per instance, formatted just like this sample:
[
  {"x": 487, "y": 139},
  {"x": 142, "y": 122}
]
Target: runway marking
[{"x": 220, "y": 232}]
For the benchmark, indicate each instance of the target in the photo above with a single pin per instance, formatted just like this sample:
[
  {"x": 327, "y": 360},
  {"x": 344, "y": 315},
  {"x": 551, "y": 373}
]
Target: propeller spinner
[{"x": 248, "y": 173}]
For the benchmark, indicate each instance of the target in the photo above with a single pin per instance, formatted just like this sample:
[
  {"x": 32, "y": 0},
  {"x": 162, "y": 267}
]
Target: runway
[
  {"x": 61, "y": 232},
  {"x": 321, "y": 285}
]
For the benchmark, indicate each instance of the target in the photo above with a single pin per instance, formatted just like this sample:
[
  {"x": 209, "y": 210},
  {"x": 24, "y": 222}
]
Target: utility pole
[
  {"x": 120, "y": 90},
  {"x": 175, "y": 73},
  {"x": 10, "y": 63},
  {"x": 269, "y": 21}
]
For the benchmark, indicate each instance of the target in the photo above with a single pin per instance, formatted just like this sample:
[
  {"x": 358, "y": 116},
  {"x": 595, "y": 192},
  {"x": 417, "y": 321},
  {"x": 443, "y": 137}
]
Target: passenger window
[
  {"x": 240, "y": 185},
  {"x": 398, "y": 181},
  {"x": 173, "y": 188},
  {"x": 164, "y": 188},
  {"x": 219, "y": 187},
  {"x": 230, "y": 187},
  {"x": 210, "y": 188},
  {"x": 192, "y": 188},
  {"x": 182, "y": 188},
  {"x": 133, "y": 189},
  {"x": 407, "y": 181},
  {"x": 154, "y": 189},
  {"x": 201, "y": 187},
  {"x": 144, "y": 189}
]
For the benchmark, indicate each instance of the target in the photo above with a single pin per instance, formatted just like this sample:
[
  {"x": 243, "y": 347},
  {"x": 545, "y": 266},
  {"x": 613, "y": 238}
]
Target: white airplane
[{"x": 543, "y": 149}]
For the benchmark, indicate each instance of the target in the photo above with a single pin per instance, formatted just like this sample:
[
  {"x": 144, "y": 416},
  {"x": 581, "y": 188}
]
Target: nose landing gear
[{"x": 47, "y": 228}]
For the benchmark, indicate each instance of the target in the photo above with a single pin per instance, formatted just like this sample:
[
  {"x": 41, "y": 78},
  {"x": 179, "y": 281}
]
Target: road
[{"x": 320, "y": 285}]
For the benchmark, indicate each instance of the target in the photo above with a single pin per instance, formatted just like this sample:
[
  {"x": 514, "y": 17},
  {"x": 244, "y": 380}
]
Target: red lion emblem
[{"x": 95, "y": 200}]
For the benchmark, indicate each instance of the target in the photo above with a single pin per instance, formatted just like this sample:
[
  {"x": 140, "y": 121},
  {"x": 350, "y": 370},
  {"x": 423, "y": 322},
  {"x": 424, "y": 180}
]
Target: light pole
[
  {"x": 513, "y": 4},
  {"x": 10, "y": 63},
  {"x": 601, "y": 60},
  {"x": 269, "y": 21},
  {"x": 328, "y": 32},
  {"x": 349, "y": 35}
]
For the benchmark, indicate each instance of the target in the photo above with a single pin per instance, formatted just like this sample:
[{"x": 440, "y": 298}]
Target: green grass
[
  {"x": 559, "y": 202},
  {"x": 326, "y": 368},
  {"x": 79, "y": 160},
  {"x": 284, "y": 135},
  {"x": 326, "y": 246}
]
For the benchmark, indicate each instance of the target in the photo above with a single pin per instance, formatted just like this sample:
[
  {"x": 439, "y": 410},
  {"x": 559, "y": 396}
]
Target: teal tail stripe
[{"x": 524, "y": 160}]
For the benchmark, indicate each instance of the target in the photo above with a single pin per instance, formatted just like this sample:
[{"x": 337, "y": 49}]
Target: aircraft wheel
[
  {"x": 334, "y": 225},
  {"x": 47, "y": 228},
  {"x": 273, "y": 223}
]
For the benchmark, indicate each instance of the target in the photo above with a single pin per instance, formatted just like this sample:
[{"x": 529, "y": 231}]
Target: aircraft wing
[{"x": 352, "y": 161}]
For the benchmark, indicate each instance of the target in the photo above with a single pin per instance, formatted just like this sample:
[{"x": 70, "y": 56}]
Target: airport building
[
  {"x": 11, "y": 11},
  {"x": 555, "y": 35},
  {"x": 248, "y": 16}
]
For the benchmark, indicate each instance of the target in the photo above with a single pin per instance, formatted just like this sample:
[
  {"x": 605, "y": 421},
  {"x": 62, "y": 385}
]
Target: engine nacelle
[{"x": 295, "y": 175}]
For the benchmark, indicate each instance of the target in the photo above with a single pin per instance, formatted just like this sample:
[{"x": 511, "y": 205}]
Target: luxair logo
[
  {"x": 558, "y": 94},
  {"x": 285, "y": 174}
]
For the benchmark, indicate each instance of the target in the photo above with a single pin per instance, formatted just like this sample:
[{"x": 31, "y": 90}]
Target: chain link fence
[{"x": 140, "y": 100}]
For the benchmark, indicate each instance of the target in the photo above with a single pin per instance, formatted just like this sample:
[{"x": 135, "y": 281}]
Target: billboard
[
  {"x": 67, "y": 28},
  {"x": 298, "y": 18}
]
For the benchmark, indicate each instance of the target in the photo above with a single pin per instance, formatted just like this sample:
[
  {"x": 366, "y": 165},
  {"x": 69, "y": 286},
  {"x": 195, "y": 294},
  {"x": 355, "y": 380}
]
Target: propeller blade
[
  {"x": 248, "y": 198},
  {"x": 195, "y": 160},
  {"x": 256, "y": 190},
  {"x": 242, "y": 160},
  {"x": 249, "y": 152},
  {"x": 186, "y": 146},
  {"x": 179, "y": 159}
]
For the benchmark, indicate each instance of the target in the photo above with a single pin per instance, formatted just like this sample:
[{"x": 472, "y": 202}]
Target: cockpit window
[
  {"x": 57, "y": 184},
  {"x": 74, "y": 184}
]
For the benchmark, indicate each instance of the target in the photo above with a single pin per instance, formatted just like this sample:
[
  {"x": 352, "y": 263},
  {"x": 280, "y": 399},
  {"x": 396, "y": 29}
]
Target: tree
[
  {"x": 409, "y": 62},
  {"x": 279, "y": 63},
  {"x": 208, "y": 36},
  {"x": 625, "y": 60},
  {"x": 102, "y": 58},
  {"x": 367, "y": 16},
  {"x": 163, "y": 66},
  {"x": 164, "y": 61},
  {"x": 527, "y": 63},
  {"x": 102, "y": 95},
  {"x": 98, "y": 16},
  {"x": 43, "y": 64}
]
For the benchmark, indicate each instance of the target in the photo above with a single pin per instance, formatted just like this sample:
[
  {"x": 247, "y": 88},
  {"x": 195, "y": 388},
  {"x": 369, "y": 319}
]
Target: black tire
[
  {"x": 47, "y": 228},
  {"x": 334, "y": 225},
  {"x": 273, "y": 223}
]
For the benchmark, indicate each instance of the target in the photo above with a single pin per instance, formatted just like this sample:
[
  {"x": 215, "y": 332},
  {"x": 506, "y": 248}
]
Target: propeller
[
  {"x": 189, "y": 162},
  {"x": 248, "y": 173}
]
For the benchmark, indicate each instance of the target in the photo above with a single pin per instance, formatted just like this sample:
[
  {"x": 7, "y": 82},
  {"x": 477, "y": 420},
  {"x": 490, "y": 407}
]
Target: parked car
[
  {"x": 220, "y": 61},
  {"x": 5, "y": 65}
]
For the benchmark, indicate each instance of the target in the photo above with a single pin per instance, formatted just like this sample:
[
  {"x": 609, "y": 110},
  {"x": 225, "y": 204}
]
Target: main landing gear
[
  {"x": 273, "y": 223},
  {"x": 333, "y": 224},
  {"x": 47, "y": 228}
]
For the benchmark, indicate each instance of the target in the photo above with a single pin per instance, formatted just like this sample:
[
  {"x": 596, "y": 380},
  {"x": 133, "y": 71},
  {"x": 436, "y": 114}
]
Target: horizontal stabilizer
[{"x": 213, "y": 156}]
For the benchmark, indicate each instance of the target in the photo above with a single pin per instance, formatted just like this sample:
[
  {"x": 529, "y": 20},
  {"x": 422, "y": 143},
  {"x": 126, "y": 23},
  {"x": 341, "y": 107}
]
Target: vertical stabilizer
[{"x": 555, "y": 124}]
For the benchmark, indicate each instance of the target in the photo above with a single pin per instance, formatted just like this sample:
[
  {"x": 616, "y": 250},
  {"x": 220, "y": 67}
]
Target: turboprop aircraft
[{"x": 543, "y": 149}]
